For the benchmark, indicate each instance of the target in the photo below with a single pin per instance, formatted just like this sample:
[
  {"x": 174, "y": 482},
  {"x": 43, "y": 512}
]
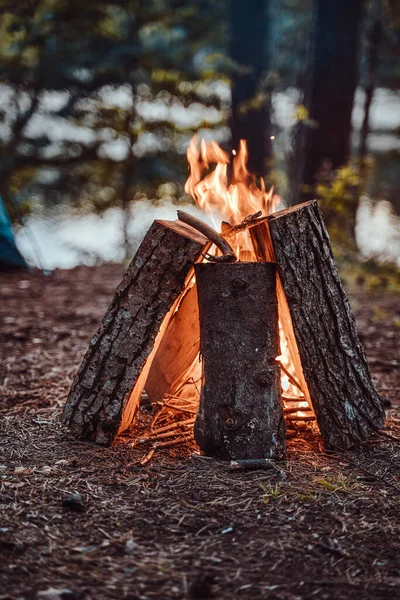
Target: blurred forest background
[{"x": 99, "y": 101}]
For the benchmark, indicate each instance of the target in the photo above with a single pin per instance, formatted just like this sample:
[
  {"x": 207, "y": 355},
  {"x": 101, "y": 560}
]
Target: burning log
[
  {"x": 105, "y": 394},
  {"x": 240, "y": 413},
  {"x": 345, "y": 401},
  {"x": 178, "y": 352}
]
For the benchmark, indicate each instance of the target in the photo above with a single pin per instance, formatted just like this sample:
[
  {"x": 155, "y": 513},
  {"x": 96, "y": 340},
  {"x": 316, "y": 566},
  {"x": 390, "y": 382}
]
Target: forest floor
[{"x": 183, "y": 526}]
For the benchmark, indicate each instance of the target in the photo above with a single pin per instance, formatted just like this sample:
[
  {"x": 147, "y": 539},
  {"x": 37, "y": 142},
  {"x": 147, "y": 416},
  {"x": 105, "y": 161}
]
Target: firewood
[
  {"x": 345, "y": 401},
  {"x": 240, "y": 413},
  {"x": 178, "y": 351},
  {"x": 105, "y": 394},
  {"x": 263, "y": 249},
  {"x": 253, "y": 464}
]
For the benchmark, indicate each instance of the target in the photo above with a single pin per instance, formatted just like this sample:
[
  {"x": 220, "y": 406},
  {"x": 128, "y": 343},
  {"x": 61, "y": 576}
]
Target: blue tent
[{"x": 10, "y": 256}]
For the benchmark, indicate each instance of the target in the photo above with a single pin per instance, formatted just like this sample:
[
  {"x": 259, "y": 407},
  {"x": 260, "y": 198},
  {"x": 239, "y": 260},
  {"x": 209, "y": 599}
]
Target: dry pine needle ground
[{"x": 182, "y": 526}]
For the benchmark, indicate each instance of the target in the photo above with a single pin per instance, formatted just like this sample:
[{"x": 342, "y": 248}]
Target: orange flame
[{"x": 211, "y": 191}]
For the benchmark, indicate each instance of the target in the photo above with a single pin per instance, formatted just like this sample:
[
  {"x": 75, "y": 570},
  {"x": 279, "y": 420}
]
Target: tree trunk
[
  {"x": 333, "y": 79},
  {"x": 240, "y": 413},
  {"x": 105, "y": 394},
  {"x": 374, "y": 39},
  {"x": 345, "y": 401},
  {"x": 248, "y": 48}
]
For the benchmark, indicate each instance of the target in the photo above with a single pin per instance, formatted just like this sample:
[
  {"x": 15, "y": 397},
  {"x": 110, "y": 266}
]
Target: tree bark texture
[
  {"x": 105, "y": 394},
  {"x": 345, "y": 401},
  {"x": 240, "y": 413}
]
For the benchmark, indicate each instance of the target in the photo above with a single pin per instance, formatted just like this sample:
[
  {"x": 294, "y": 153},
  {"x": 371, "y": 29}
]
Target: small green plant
[
  {"x": 340, "y": 483},
  {"x": 277, "y": 492},
  {"x": 307, "y": 496},
  {"x": 339, "y": 192},
  {"x": 272, "y": 492}
]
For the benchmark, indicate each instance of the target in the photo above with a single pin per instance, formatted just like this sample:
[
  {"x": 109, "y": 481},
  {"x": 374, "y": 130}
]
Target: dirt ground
[{"x": 183, "y": 526}]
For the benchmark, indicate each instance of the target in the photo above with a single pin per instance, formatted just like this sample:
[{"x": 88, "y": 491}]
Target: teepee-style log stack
[{"x": 151, "y": 335}]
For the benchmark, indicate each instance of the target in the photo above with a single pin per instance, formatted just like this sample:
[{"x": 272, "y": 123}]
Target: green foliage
[
  {"x": 346, "y": 484},
  {"x": 369, "y": 274},
  {"x": 89, "y": 51},
  {"x": 339, "y": 192}
]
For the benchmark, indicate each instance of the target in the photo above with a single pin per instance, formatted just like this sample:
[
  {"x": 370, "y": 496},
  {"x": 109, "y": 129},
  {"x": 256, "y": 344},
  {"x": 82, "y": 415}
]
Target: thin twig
[
  {"x": 148, "y": 457},
  {"x": 170, "y": 443},
  {"x": 172, "y": 426},
  {"x": 292, "y": 380},
  {"x": 295, "y": 409},
  {"x": 228, "y": 255}
]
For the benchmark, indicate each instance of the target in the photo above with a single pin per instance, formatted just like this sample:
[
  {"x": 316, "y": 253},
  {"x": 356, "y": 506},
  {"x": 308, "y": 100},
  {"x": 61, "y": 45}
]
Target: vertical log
[
  {"x": 345, "y": 401},
  {"x": 105, "y": 394},
  {"x": 240, "y": 414}
]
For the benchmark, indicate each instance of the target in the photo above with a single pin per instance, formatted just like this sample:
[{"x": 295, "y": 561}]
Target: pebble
[
  {"x": 74, "y": 502},
  {"x": 57, "y": 594}
]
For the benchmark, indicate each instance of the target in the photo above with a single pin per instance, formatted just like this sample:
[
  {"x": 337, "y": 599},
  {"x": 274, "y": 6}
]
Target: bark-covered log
[
  {"x": 105, "y": 394},
  {"x": 345, "y": 401},
  {"x": 240, "y": 414}
]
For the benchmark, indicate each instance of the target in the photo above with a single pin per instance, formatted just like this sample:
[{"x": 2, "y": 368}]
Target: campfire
[{"x": 242, "y": 337}]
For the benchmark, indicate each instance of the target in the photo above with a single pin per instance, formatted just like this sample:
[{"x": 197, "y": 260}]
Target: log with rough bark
[
  {"x": 105, "y": 394},
  {"x": 346, "y": 403},
  {"x": 240, "y": 413}
]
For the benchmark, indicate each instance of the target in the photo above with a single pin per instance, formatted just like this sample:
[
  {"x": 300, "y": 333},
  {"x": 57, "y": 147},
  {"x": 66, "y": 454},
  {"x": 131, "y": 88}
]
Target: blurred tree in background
[
  {"x": 99, "y": 99},
  {"x": 251, "y": 99},
  {"x": 324, "y": 139}
]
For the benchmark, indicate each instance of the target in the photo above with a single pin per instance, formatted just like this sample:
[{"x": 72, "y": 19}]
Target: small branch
[
  {"x": 294, "y": 410},
  {"x": 251, "y": 464},
  {"x": 146, "y": 458},
  {"x": 384, "y": 363},
  {"x": 173, "y": 425},
  {"x": 170, "y": 443},
  {"x": 228, "y": 254},
  {"x": 293, "y": 398},
  {"x": 247, "y": 223},
  {"x": 292, "y": 379}
]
